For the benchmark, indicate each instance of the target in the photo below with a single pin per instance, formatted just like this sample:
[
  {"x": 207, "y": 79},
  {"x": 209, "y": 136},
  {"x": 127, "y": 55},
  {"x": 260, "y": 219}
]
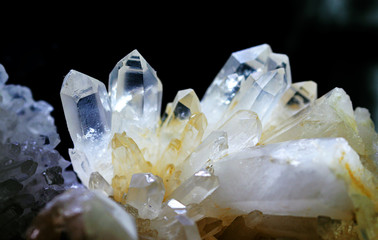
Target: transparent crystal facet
[
  {"x": 146, "y": 193},
  {"x": 243, "y": 130},
  {"x": 197, "y": 188},
  {"x": 268, "y": 89},
  {"x": 86, "y": 107},
  {"x": 227, "y": 83},
  {"x": 296, "y": 98},
  {"x": 213, "y": 147},
  {"x": 135, "y": 92},
  {"x": 98, "y": 182},
  {"x": 331, "y": 115},
  {"x": 174, "y": 223}
]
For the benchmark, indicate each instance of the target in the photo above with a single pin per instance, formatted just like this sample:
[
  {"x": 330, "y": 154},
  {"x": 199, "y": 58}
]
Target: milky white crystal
[{"x": 297, "y": 178}]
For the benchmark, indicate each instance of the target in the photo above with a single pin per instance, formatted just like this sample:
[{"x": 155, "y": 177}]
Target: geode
[{"x": 259, "y": 157}]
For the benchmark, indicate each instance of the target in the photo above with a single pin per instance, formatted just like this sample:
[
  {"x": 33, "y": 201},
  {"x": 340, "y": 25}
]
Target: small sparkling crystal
[{"x": 146, "y": 193}]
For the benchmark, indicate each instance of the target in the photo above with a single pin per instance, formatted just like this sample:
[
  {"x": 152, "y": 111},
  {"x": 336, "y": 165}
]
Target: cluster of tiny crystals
[
  {"x": 31, "y": 172},
  {"x": 258, "y": 157}
]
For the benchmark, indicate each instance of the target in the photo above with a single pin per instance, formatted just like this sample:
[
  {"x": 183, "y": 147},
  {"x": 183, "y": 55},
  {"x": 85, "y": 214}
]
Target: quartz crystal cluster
[
  {"x": 258, "y": 157},
  {"x": 31, "y": 172}
]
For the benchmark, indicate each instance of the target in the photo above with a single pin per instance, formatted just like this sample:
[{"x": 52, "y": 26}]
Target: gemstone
[
  {"x": 86, "y": 107},
  {"x": 98, "y": 182},
  {"x": 146, "y": 194},
  {"x": 135, "y": 93},
  {"x": 196, "y": 188},
  {"x": 252, "y": 79}
]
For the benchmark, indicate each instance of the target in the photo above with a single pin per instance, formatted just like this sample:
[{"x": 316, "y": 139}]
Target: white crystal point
[
  {"x": 86, "y": 107},
  {"x": 305, "y": 177},
  {"x": 146, "y": 193},
  {"x": 226, "y": 84},
  {"x": 177, "y": 114},
  {"x": 277, "y": 60},
  {"x": 196, "y": 188},
  {"x": 135, "y": 92},
  {"x": 185, "y": 104},
  {"x": 3, "y": 75},
  {"x": 98, "y": 182}
]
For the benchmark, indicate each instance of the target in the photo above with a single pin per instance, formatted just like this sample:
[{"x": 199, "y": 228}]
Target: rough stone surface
[{"x": 32, "y": 173}]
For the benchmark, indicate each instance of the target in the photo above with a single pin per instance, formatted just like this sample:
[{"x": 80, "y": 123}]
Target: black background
[{"x": 331, "y": 42}]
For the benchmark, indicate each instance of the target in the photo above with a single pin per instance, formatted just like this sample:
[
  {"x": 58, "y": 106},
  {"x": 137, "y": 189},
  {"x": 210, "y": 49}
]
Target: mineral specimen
[
  {"x": 257, "y": 158},
  {"x": 32, "y": 172}
]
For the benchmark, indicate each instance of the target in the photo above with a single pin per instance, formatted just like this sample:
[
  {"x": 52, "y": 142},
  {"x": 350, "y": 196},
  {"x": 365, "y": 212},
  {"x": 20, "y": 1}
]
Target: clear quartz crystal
[
  {"x": 276, "y": 60},
  {"x": 268, "y": 75},
  {"x": 243, "y": 130},
  {"x": 98, "y": 182},
  {"x": 261, "y": 95},
  {"x": 146, "y": 193},
  {"x": 197, "y": 188},
  {"x": 135, "y": 93},
  {"x": 212, "y": 148},
  {"x": 296, "y": 98},
  {"x": 173, "y": 222},
  {"x": 330, "y": 116},
  {"x": 227, "y": 83},
  {"x": 86, "y": 107},
  {"x": 185, "y": 105},
  {"x": 88, "y": 114}
]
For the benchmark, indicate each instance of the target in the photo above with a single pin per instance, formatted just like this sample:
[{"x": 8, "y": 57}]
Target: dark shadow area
[{"x": 330, "y": 42}]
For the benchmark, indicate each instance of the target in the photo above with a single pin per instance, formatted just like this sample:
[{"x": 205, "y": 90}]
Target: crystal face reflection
[
  {"x": 255, "y": 143},
  {"x": 86, "y": 107},
  {"x": 135, "y": 90}
]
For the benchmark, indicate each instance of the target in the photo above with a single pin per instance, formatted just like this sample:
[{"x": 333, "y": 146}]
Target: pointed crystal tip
[
  {"x": 135, "y": 90},
  {"x": 86, "y": 106}
]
